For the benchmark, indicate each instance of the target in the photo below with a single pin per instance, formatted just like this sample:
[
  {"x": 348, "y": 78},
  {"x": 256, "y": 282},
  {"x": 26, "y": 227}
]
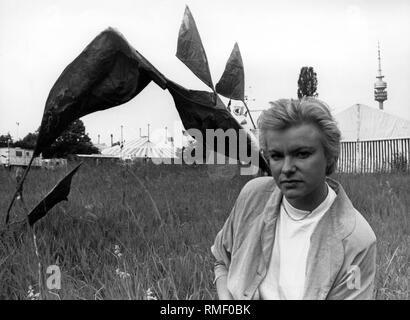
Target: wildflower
[
  {"x": 89, "y": 207},
  {"x": 122, "y": 274},
  {"x": 150, "y": 295},
  {"x": 389, "y": 188},
  {"x": 117, "y": 251},
  {"x": 31, "y": 295}
]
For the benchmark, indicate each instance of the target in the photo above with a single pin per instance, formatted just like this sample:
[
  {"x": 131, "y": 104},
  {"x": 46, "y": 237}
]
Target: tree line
[{"x": 74, "y": 140}]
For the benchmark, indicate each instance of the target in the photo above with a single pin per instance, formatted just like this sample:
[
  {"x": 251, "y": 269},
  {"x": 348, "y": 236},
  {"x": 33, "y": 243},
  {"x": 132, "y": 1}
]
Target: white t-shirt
[{"x": 285, "y": 277}]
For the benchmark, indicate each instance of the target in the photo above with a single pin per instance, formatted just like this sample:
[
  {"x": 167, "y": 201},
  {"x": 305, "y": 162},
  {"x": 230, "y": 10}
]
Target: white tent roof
[
  {"x": 367, "y": 123},
  {"x": 141, "y": 148}
]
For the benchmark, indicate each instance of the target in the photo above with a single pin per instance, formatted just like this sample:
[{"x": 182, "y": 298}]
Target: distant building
[
  {"x": 18, "y": 157},
  {"x": 360, "y": 122},
  {"x": 95, "y": 158},
  {"x": 142, "y": 148},
  {"x": 101, "y": 146},
  {"x": 373, "y": 140},
  {"x": 53, "y": 163},
  {"x": 380, "y": 93}
]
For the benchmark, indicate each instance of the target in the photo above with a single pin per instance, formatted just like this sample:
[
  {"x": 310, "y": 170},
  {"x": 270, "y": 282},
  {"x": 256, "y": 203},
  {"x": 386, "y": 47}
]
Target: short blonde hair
[{"x": 285, "y": 113}]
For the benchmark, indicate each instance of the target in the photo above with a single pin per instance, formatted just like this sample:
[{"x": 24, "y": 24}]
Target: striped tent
[{"x": 142, "y": 148}]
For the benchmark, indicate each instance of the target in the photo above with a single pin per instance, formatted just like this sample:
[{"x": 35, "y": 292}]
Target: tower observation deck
[{"x": 380, "y": 94}]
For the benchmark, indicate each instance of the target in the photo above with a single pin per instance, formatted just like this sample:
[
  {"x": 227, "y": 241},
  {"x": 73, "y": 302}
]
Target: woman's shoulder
[
  {"x": 253, "y": 198},
  {"x": 352, "y": 225},
  {"x": 362, "y": 234},
  {"x": 258, "y": 186}
]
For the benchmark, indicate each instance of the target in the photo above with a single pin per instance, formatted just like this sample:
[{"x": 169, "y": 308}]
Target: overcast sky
[{"x": 38, "y": 39}]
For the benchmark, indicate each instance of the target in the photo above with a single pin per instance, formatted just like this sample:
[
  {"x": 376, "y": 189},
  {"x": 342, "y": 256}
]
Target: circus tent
[
  {"x": 360, "y": 122},
  {"x": 142, "y": 148}
]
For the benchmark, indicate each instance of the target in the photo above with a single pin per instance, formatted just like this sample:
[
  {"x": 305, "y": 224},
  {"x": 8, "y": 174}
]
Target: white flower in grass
[
  {"x": 150, "y": 295},
  {"x": 117, "y": 251},
  {"x": 122, "y": 274},
  {"x": 389, "y": 187},
  {"x": 31, "y": 295}
]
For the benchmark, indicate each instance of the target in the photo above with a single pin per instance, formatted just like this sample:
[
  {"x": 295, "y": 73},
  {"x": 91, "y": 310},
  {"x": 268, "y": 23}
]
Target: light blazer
[{"x": 341, "y": 262}]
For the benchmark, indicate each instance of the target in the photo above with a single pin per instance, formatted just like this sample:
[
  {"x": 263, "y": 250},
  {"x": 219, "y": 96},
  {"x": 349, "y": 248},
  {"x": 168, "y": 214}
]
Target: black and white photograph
[{"x": 210, "y": 150}]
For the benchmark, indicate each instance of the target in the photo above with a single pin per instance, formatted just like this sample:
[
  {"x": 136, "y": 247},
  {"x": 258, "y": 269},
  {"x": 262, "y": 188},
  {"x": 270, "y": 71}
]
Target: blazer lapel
[
  {"x": 270, "y": 213},
  {"x": 325, "y": 259},
  {"x": 326, "y": 253}
]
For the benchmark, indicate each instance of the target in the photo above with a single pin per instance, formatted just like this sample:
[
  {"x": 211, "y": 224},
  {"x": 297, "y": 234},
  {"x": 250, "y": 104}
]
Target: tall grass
[{"x": 165, "y": 252}]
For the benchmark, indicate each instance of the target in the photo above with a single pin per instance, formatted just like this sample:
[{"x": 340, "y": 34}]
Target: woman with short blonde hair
[
  {"x": 296, "y": 235},
  {"x": 285, "y": 113}
]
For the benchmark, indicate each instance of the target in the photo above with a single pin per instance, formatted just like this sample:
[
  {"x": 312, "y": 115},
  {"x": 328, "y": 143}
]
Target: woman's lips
[{"x": 290, "y": 183}]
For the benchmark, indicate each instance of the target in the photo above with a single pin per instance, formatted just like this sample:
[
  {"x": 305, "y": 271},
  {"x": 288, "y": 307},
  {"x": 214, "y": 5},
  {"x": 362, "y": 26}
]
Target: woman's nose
[{"x": 288, "y": 165}]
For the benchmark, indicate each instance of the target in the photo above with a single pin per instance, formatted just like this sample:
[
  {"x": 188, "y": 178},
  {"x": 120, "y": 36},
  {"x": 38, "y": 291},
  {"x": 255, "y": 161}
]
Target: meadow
[{"x": 145, "y": 232}]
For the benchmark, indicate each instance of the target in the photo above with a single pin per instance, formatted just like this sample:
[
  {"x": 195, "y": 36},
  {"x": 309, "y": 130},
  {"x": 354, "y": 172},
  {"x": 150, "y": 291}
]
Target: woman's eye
[
  {"x": 275, "y": 157},
  {"x": 303, "y": 155}
]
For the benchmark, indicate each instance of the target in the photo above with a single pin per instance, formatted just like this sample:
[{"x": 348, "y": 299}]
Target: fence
[{"x": 389, "y": 155}]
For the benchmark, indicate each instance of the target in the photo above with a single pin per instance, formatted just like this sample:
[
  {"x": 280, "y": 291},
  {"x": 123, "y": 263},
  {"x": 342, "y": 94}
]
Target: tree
[
  {"x": 5, "y": 140},
  {"x": 73, "y": 140},
  {"x": 307, "y": 83},
  {"x": 28, "y": 142}
]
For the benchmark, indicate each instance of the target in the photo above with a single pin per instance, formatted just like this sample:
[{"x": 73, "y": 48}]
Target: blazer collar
[{"x": 340, "y": 212}]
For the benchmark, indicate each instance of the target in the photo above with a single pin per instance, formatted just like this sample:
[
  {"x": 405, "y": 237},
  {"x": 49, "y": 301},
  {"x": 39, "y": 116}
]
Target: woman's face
[{"x": 298, "y": 163}]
